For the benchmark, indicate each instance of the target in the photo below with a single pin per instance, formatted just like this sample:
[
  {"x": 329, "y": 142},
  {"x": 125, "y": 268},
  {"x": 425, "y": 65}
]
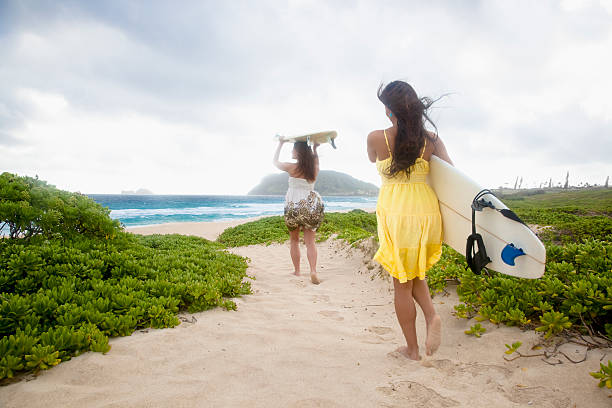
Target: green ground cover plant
[
  {"x": 70, "y": 277},
  {"x": 597, "y": 199},
  {"x": 568, "y": 224},
  {"x": 572, "y": 216},
  {"x": 476, "y": 330},
  {"x": 604, "y": 375},
  {"x": 351, "y": 226},
  {"x": 266, "y": 231},
  {"x": 573, "y": 298},
  {"x": 575, "y": 292}
]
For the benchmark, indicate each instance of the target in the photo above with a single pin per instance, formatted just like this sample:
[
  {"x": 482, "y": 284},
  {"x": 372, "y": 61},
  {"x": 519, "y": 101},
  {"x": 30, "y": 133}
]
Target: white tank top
[{"x": 299, "y": 189}]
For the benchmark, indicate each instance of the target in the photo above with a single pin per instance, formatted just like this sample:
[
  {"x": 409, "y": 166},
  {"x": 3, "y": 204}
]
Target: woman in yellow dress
[{"x": 408, "y": 214}]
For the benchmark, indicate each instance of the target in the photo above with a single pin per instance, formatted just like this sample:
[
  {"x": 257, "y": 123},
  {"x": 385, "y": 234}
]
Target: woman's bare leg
[
  {"x": 294, "y": 250},
  {"x": 420, "y": 292},
  {"x": 311, "y": 253},
  {"x": 405, "y": 311}
]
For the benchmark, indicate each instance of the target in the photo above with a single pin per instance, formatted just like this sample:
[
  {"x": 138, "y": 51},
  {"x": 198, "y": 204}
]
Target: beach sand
[
  {"x": 295, "y": 344},
  {"x": 208, "y": 230}
]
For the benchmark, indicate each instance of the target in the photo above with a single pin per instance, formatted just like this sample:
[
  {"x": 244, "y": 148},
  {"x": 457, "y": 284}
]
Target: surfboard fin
[
  {"x": 331, "y": 141},
  {"x": 510, "y": 253}
]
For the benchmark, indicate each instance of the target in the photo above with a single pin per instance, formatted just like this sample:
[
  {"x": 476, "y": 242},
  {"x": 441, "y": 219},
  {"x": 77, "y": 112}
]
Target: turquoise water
[{"x": 159, "y": 209}]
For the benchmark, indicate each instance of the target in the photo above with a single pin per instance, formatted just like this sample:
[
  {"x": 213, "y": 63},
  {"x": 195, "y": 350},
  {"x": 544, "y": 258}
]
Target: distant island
[
  {"x": 140, "y": 191},
  {"x": 330, "y": 183}
]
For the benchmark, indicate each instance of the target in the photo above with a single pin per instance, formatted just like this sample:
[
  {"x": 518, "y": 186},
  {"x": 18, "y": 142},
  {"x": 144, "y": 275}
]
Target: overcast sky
[{"x": 184, "y": 97}]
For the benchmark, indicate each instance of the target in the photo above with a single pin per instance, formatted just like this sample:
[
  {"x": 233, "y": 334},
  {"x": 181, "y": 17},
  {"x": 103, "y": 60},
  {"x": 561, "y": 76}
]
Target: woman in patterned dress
[{"x": 303, "y": 206}]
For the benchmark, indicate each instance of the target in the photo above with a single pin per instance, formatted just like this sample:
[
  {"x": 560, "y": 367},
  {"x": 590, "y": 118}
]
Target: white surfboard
[
  {"x": 455, "y": 193},
  {"x": 321, "y": 137}
]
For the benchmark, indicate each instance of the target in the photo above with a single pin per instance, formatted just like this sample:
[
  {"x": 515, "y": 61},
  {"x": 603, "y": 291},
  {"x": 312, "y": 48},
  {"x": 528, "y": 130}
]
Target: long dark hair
[
  {"x": 411, "y": 114},
  {"x": 305, "y": 160}
]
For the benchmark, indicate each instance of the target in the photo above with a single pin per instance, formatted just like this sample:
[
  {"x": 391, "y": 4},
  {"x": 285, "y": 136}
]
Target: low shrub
[
  {"x": 351, "y": 226},
  {"x": 29, "y": 207},
  {"x": 67, "y": 286}
]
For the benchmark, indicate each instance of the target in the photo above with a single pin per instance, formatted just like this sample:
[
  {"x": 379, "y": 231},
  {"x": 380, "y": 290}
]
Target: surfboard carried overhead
[
  {"x": 500, "y": 234},
  {"x": 321, "y": 137}
]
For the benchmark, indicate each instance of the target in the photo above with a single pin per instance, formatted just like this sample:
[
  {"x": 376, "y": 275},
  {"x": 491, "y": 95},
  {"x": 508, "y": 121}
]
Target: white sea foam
[
  {"x": 221, "y": 209},
  {"x": 245, "y": 210},
  {"x": 229, "y": 211}
]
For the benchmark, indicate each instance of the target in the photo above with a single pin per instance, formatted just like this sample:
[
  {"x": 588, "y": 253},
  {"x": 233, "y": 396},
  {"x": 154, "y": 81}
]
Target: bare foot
[
  {"x": 412, "y": 355},
  {"x": 314, "y": 278},
  {"x": 434, "y": 335},
  {"x": 296, "y": 273}
]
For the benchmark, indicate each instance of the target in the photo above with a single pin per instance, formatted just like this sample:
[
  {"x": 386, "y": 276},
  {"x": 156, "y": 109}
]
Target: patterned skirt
[{"x": 306, "y": 213}]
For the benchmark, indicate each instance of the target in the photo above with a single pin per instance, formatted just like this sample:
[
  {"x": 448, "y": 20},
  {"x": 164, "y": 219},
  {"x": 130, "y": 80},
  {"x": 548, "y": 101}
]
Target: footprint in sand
[
  {"x": 409, "y": 393},
  {"x": 538, "y": 397},
  {"x": 320, "y": 298},
  {"x": 380, "y": 330},
  {"x": 453, "y": 369},
  {"x": 298, "y": 283},
  {"x": 401, "y": 360},
  {"x": 381, "y": 335},
  {"x": 446, "y": 366},
  {"x": 315, "y": 403},
  {"x": 332, "y": 314}
]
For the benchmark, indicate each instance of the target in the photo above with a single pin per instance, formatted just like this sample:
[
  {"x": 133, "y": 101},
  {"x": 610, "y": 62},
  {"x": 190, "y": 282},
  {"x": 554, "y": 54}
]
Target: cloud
[
  {"x": 572, "y": 141},
  {"x": 8, "y": 140},
  {"x": 186, "y": 97}
]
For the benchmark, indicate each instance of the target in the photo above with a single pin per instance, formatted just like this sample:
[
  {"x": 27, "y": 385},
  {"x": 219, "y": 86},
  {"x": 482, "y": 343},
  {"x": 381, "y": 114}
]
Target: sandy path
[{"x": 294, "y": 344}]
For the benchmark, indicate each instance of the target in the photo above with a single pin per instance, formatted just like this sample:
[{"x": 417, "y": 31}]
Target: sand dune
[{"x": 295, "y": 344}]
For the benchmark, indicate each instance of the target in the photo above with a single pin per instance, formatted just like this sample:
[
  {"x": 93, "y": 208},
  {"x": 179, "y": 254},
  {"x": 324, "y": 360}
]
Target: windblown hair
[
  {"x": 305, "y": 160},
  {"x": 411, "y": 114}
]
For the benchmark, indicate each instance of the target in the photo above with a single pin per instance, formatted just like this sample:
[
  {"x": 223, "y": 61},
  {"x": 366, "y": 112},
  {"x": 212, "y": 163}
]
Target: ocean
[{"x": 133, "y": 210}]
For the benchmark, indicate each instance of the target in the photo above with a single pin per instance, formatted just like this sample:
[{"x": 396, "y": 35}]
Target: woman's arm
[
  {"x": 282, "y": 166},
  {"x": 440, "y": 151},
  {"x": 371, "y": 149}
]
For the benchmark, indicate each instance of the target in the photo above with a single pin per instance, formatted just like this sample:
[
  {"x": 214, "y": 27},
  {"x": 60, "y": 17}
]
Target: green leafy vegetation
[
  {"x": 568, "y": 224},
  {"x": 266, "y": 230},
  {"x": 604, "y": 375},
  {"x": 513, "y": 348},
  {"x": 571, "y": 216},
  {"x": 553, "y": 323},
  {"x": 476, "y": 330},
  {"x": 575, "y": 292},
  {"x": 30, "y": 207},
  {"x": 598, "y": 200},
  {"x": 351, "y": 227},
  {"x": 576, "y": 289},
  {"x": 70, "y": 277}
]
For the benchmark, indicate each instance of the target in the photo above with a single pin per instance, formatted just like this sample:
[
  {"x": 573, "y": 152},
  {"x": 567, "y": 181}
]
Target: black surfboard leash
[{"x": 475, "y": 251}]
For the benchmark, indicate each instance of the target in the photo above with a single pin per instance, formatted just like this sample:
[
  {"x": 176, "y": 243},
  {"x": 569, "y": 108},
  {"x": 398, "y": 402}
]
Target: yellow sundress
[{"x": 409, "y": 221}]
